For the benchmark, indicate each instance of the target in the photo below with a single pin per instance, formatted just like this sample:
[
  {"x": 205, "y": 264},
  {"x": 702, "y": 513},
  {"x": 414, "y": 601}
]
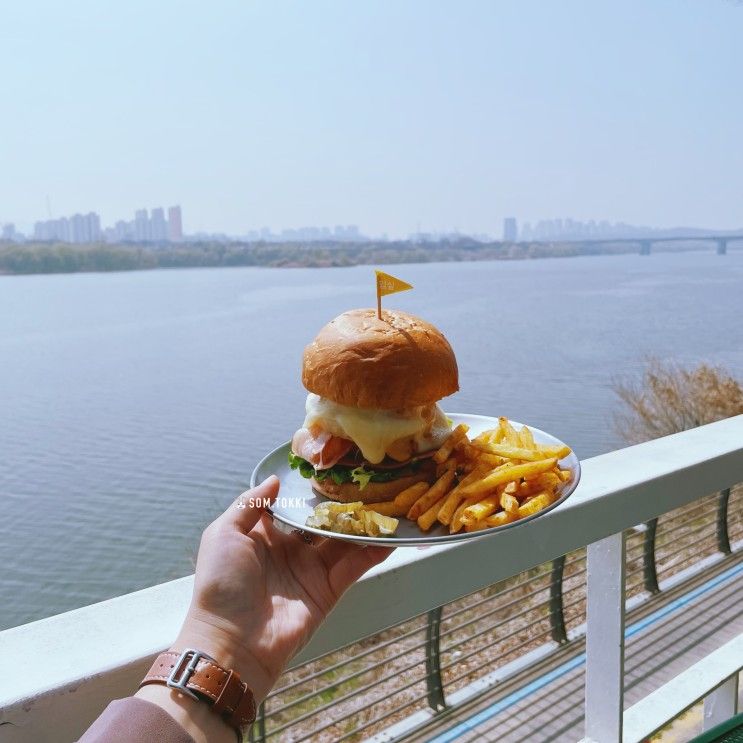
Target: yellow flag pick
[{"x": 387, "y": 284}]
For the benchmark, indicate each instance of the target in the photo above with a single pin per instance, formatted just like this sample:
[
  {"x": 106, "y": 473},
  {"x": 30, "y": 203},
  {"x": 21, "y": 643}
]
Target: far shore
[{"x": 51, "y": 258}]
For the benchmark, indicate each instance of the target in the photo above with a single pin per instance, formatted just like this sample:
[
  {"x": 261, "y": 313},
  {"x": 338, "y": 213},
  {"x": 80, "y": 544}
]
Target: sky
[{"x": 395, "y": 115}]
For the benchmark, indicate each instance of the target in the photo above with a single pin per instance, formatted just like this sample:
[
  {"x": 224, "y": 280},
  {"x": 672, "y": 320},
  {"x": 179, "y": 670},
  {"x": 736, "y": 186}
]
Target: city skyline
[
  {"x": 243, "y": 114},
  {"x": 540, "y": 228},
  {"x": 155, "y": 228},
  {"x": 86, "y": 228}
]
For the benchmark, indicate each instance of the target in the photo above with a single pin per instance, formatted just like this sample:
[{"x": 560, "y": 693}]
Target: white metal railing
[
  {"x": 714, "y": 679},
  {"x": 71, "y": 665}
]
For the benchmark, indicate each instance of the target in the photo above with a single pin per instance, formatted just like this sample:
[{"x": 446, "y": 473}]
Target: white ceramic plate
[{"x": 297, "y": 499}]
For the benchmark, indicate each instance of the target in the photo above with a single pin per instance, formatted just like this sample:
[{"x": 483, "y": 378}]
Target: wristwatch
[{"x": 199, "y": 676}]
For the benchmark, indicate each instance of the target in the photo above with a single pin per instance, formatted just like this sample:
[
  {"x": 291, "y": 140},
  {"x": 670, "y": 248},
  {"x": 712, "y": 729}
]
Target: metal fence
[{"x": 352, "y": 693}]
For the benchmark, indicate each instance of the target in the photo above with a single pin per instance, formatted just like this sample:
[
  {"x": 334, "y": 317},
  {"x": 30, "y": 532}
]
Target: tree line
[{"x": 33, "y": 258}]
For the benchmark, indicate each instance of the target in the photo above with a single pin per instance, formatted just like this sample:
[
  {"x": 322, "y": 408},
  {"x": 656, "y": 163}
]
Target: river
[{"x": 135, "y": 405}]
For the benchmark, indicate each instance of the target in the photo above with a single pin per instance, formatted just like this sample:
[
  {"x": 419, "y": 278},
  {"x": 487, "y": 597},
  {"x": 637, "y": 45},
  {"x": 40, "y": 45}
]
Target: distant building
[
  {"x": 510, "y": 230},
  {"x": 92, "y": 227},
  {"x": 158, "y": 226},
  {"x": 77, "y": 228},
  {"x": 44, "y": 230},
  {"x": 339, "y": 233},
  {"x": 8, "y": 231},
  {"x": 63, "y": 230},
  {"x": 86, "y": 228},
  {"x": 175, "y": 224},
  {"x": 345, "y": 233},
  {"x": 122, "y": 232},
  {"x": 570, "y": 229},
  {"x": 141, "y": 226}
]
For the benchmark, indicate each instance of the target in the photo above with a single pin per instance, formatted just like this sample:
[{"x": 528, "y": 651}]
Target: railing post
[
  {"x": 723, "y": 538},
  {"x": 434, "y": 684},
  {"x": 605, "y": 640},
  {"x": 557, "y": 615},
  {"x": 257, "y": 732},
  {"x": 722, "y": 703},
  {"x": 649, "y": 573}
]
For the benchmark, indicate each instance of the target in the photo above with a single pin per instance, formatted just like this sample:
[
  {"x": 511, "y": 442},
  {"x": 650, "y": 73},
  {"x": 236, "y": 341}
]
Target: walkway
[{"x": 665, "y": 635}]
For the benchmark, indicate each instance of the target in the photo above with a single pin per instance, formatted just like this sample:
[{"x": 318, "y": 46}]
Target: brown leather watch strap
[{"x": 198, "y": 675}]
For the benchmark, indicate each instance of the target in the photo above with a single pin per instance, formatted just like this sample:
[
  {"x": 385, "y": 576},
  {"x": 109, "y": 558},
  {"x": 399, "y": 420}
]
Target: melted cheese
[{"x": 374, "y": 431}]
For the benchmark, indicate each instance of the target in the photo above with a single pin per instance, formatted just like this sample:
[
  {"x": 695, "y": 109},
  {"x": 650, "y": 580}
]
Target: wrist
[{"x": 207, "y": 635}]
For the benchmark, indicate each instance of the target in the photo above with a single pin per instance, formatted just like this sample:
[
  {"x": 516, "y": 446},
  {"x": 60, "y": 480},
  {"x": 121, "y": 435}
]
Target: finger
[
  {"x": 247, "y": 509},
  {"x": 305, "y": 536},
  {"x": 347, "y": 562}
]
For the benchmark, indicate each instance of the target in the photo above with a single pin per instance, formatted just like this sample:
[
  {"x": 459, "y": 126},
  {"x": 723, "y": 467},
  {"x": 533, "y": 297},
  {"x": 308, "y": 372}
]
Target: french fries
[
  {"x": 426, "y": 520},
  {"x": 498, "y": 477},
  {"x": 449, "y": 464},
  {"x": 432, "y": 495},
  {"x": 508, "y": 435},
  {"x": 479, "y": 511},
  {"x": 507, "y": 476},
  {"x": 456, "y": 520},
  {"x": 407, "y": 497},
  {"x": 500, "y": 518},
  {"x": 527, "y": 455},
  {"x": 454, "y": 498},
  {"x": 509, "y": 503},
  {"x": 502, "y": 475},
  {"x": 497, "y": 519},
  {"x": 388, "y": 508},
  {"x": 508, "y": 472},
  {"x": 526, "y": 439},
  {"x": 457, "y": 435},
  {"x": 535, "y": 504}
]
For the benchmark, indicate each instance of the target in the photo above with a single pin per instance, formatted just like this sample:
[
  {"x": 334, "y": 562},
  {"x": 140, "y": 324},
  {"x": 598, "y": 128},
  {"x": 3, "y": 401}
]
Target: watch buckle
[{"x": 181, "y": 675}]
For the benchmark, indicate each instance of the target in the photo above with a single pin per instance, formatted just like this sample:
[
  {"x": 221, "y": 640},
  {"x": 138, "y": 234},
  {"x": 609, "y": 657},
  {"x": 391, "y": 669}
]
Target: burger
[{"x": 372, "y": 421}]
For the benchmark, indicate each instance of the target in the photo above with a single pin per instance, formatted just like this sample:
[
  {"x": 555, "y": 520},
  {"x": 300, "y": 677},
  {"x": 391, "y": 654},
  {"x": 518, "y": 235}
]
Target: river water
[{"x": 133, "y": 406}]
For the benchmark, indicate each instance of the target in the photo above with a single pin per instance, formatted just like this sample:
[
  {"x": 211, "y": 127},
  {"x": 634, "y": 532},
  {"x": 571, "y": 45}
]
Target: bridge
[{"x": 645, "y": 243}]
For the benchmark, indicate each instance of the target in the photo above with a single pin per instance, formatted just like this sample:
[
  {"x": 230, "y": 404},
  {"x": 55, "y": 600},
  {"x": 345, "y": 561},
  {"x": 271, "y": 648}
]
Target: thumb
[{"x": 247, "y": 509}]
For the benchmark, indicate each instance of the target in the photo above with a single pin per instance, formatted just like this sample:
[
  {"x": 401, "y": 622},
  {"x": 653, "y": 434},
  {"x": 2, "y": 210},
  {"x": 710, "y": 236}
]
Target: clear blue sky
[{"x": 386, "y": 114}]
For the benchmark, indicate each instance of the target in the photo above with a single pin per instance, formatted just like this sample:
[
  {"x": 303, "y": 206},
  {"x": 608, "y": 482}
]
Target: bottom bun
[{"x": 374, "y": 492}]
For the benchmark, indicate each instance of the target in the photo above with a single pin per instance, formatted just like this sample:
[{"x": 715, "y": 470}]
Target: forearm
[{"x": 193, "y": 715}]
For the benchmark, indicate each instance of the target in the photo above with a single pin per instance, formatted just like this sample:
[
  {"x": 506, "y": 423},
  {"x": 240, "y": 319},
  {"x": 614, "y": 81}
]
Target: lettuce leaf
[
  {"x": 305, "y": 468},
  {"x": 340, "y": 473},
  {"x": 361, "y": 476}
]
